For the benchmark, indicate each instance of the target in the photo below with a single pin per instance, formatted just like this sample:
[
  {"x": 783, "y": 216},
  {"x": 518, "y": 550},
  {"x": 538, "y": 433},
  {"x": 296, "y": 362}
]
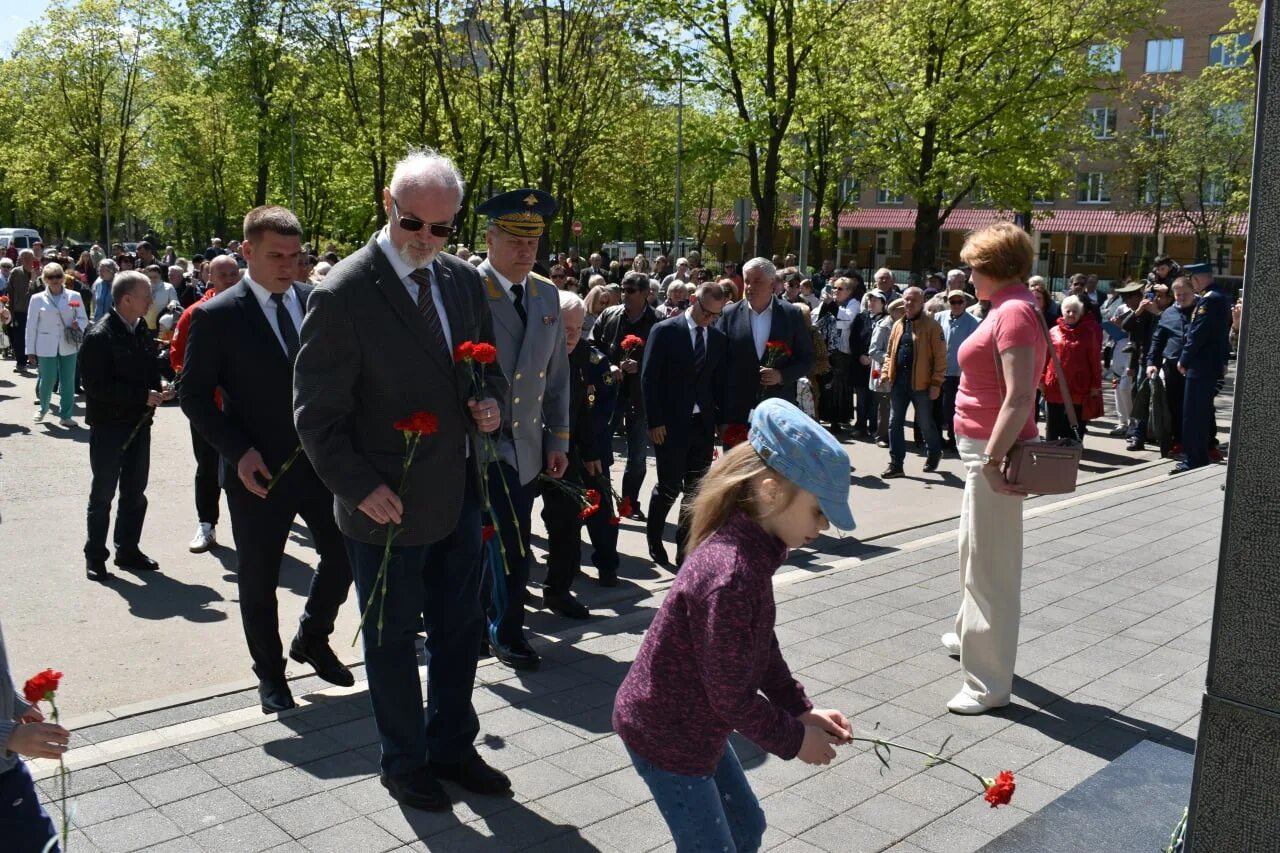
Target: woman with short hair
[
  {"x": 51, "y": 315},
  {"x": 1000, "y": 366},
  {"x": 1077, "y": 342}
]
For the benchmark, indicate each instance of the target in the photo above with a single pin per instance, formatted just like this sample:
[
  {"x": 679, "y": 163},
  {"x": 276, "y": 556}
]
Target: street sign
[
  {"x": 577, "y": 227},
  {"x": 742, "y": 220}
]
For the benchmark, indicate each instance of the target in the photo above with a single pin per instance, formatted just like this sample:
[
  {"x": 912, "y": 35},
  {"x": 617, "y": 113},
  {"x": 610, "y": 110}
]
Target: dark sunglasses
[
  {"x": 708, "y": 311},
  {"x": 410, "y": 223},
  {"x": 956, "y": 302},
  {"x": 630, "y": 290}
]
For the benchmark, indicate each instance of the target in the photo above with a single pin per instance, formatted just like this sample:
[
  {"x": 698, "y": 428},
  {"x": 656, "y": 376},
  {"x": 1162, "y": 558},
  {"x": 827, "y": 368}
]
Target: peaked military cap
[{"x": 522, "y": 212}]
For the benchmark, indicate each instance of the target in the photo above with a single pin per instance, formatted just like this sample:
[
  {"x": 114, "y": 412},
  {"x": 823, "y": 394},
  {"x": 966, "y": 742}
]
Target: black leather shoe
[
  {"x": 136, "y": 562},
  {"x": 97, "y": 572},
  {"x": 892, "y": 472},
  {"x": 607, "y": 578},
  {"x": 637, "y": 514},
  {"x": 658, "y": 554},
  {"x": 323, "y": 660},
  {"x": 474, "y": 775},
  {"x": 931, "y": 464},
  {"x": 565, "y": 605},
  {"x": 274, "y": 695},
  {"x": 418, "y": 790},
  {"x": 516, "y": 657}
]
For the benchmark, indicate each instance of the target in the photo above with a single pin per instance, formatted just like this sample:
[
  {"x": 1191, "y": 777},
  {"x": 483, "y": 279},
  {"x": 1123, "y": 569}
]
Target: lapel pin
[{"x": 548, "y": 320}]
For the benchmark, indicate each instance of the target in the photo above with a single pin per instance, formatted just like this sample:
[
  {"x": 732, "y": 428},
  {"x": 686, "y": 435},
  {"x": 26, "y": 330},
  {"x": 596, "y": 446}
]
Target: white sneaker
[
  {"x": 204, "y": 538},
  {"x": 39, "y": 418},
  {"x": 963, "y": 703},
  {"x": 951, "y": 642},
  {"x": 68, "y": 422}
]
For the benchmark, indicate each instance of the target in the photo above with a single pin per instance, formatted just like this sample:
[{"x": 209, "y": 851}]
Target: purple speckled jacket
[{"x": 707, "y": 658}]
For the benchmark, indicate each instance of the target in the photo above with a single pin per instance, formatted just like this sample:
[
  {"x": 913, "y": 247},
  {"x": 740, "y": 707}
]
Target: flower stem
[
  {"x": 932, "y": 756},
  {"x": 288, "y": 463},
  {"x": 62, "y": 779}
]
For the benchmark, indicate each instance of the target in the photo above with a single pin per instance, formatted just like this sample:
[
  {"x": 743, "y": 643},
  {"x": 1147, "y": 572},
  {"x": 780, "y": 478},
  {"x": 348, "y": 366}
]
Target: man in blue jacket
[{"x": 1203, "y": 363}]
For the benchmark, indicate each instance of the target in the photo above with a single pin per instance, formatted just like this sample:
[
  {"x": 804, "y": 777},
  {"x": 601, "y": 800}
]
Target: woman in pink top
[{"x": 1000, "y": 367}]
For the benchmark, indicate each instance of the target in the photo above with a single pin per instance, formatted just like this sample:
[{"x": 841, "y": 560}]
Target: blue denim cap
[{"x": 794, "y": 445}]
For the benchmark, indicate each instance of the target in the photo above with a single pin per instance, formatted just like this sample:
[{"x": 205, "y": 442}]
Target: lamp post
[{"x": 675, "y": 238}]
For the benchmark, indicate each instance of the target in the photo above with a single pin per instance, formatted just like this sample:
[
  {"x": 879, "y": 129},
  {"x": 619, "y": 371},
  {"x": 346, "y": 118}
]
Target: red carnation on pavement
[
  {"x": 484, "y": 353},
  {"x": 487, "y": 532},
  {"x": 735, "y": 435},
  {"x": 41, "y": 686},
  {"x": 1000, "y": 789},
  {"x": 463, "y": 352}
]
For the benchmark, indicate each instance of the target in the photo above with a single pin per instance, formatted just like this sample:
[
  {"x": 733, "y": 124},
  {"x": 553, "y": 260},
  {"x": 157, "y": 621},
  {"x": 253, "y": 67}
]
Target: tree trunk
[{"x": 925, "y": 251}]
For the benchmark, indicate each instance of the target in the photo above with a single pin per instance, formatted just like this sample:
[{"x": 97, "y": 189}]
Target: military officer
[
  {"x": 529, "y": 335},
  {"x": 1203, "y": 362},
  {"x": 561, "y": 512}
]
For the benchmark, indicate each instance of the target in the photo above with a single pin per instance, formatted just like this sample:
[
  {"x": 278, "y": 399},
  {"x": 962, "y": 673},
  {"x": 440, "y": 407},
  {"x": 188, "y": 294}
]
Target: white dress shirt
[
  {"x": 693, "y": 341},
  {"x": 761, "y": 324},
  {"x": 268, "y": 306},
  {"x": 402, "y": 272}
]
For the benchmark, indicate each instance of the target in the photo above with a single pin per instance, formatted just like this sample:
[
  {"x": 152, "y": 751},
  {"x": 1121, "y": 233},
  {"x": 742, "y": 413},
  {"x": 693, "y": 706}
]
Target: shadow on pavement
[{"x": 159, "y": 596}]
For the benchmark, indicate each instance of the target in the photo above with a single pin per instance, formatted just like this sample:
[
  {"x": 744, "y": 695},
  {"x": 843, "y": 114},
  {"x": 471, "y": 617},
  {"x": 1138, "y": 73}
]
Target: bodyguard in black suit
[
  {"x": 376, "y": 347},
  {"x": 244, "y": 342},
  {"x": 683, "y": 380},
  {"x": 751, "y": 323}
]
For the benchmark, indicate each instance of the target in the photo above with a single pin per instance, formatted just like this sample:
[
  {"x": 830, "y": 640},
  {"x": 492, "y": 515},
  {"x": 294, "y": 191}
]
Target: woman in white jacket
[{"x": 49, "y": 314}]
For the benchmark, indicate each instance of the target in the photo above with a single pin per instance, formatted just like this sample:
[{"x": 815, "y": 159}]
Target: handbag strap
[{"x": 1057, "y": 369}]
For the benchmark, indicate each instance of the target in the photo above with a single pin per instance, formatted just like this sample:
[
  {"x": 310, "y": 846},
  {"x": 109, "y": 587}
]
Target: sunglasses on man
[
  {"x": 412, "y": 223},
  {"x": 708, "y": 311},
  {"x": 956, "y": 302}
]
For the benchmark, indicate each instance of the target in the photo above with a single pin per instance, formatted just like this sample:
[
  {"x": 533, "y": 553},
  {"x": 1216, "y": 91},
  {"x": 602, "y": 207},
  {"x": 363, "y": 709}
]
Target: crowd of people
[{"x": 305, "y": 380}]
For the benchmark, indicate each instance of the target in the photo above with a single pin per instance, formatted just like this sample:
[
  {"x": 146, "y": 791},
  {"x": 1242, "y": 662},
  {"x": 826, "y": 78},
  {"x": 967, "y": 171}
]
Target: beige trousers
[{"x": 990, "y": 551}]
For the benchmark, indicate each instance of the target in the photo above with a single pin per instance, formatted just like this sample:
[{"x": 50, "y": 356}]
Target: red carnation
[
  {"x": 625, "y": 508},
  {"x": 778, "y": 347},
  {"x": 615, "y": 521},
  {"x": 734, "y": 435},
  {"x": 484, "y": 353},
  {"x": 593, "y": 495},
  {"x": 1000, "y": 790},
  {"x": 419, "y": 423},
  {"x": 4, "y": 299},
  {"x": 463, "y": 352},
  {"x": 73, "y": 304},
  {"x": 41, "y": 686},
  {"x": 487, "y": 532},
  {"x": 631, "y": 342}
]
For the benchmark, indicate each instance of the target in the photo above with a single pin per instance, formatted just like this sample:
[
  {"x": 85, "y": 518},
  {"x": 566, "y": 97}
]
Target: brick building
[{"x": 1096, "y": 230}]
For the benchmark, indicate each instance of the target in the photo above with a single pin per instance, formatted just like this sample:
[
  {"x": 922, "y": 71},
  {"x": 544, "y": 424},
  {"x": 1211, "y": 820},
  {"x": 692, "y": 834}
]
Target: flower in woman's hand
[{"x": 1000, "y": 789}]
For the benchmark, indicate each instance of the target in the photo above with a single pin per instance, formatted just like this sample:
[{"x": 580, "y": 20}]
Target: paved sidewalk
[{"x": 1115, "y": 637}]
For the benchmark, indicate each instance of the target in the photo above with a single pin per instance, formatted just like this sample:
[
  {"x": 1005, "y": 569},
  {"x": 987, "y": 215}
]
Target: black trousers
[
  {"x": 681, "y": 466},
  {"x": 840, "y": 406},
  {"x": 564, "y": 531},
  {"x": 113, "y": 465},
  {"x": 18, "y": 337},
  {"x": 1058, "y": 426},
  {"x": 261, "y": 528},
  {"x": 1175, "y": 386},
  {"x": 207, "y": 489},
  {"x": 945, "y": 408}
]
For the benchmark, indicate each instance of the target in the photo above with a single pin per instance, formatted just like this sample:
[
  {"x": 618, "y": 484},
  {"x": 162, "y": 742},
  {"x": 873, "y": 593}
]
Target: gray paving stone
[
  {"x": 639, "y": 828},
  {"x": 310, "y": 814},
  {"x": 409, "y": 825},
  {"x": 248, "y": 834},
  {"x": 214, "y": 747},
  {"x": 80, "y": 782},
  {"x": 282, "y": 786},
  {"x": 251, "y": 763},
  {"x": 359, "y": 834},
  {"x": 845, "y": 835},
  {"x": 133, "y": 832},
  {"x": 893, "y": 815},
  {"x": 205, "y": 810},
  {"x": 148, "y": 764},
  {"x": 585, "y": 804},
  {"x": 793, "y": 814},
  {"x": 108, "y": 804},
  {"x": 176, "y": 784}
]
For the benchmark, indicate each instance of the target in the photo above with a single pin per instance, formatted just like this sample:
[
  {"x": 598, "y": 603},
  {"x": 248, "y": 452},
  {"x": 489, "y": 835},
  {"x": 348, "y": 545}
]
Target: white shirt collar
[
  {"x": 505, "y": 283},
  {"x": 688, "y": 318},
  {"x": 767, "y": 309},
  {"x": 264, "y": 296}
]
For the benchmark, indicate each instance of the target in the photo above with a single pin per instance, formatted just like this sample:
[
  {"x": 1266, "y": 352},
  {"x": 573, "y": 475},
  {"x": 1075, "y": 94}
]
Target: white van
[{"x": 20, "y": 238}]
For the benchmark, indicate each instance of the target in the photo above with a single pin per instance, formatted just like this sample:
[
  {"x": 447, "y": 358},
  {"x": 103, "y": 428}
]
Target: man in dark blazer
[
  {"x": 758, "y": 318},
  {"x": 596, "y": 267},
  {"x": 244, "y": 342},
  {"x": 683, "y": 380},
  {"x": 376, "y": 348}
]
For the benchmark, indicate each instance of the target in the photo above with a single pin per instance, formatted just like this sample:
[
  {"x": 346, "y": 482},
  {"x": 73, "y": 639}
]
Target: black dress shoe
[
  {"x": 418, "y": 790},
  {"x": 516, "y": 657},
  {"x": 323, "y": 660},
  {"x": 658, "y": 554},
  {"x": 274, "y": 695},
  {"x": 892, "y": 472},
  {"x": 136, "y": 562},
  {"x": 637, "y": 514},
  {"x": 607, "y": 578},
  {"x": 97, "y": 572},
  {"x": 474, "y": 775},
  {"x": 565, "y": 605},
  {"x": 931, "y": 463}
]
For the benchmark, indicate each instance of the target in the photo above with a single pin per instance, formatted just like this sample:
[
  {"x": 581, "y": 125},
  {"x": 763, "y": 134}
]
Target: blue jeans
[
  {"x": 24, "y": 824},
  {"x": 57, "y": 370},
  {"x": 707, "y": 813},
  {"x": 437, "y": 585},
  {"x": 899, "y": 397}
]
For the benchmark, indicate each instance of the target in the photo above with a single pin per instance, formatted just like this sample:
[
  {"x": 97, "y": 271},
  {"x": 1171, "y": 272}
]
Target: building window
[
  {"x": 1156, "y": 187},
  {"x": 1225, "y": 245},
  {"x": 888, "y": 244},
  {"x": 1230, "y": 49},
  {"x": 1103, "y": 122},
  {"x": 850, "y": 188},
  {"x": 1215, "y": 192},
  {"x": 1105, "y": 57},
  {"x": 1091, "y": 248},
  {"x": 1145, "y": 248},
  {"x": 1093, "y": 188},
  {"x": 888, "y": 197},
  {"x": 1154, "y": 117},
  {"x": 1041, "y": 197},
  {"x": 1164, "y": 56}
]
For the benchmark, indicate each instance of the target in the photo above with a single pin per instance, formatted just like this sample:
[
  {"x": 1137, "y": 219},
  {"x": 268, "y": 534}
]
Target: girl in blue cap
[{"x": 710, "y": 663}]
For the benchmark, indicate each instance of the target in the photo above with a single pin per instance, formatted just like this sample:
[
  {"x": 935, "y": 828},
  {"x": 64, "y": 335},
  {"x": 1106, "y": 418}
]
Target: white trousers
[
  {"x": 1124, "y": 391},
  {"x": 990, "y": 551}
]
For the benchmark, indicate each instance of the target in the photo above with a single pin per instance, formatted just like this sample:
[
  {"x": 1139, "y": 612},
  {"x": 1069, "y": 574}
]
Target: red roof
[{"x": 1121, "y": 222}]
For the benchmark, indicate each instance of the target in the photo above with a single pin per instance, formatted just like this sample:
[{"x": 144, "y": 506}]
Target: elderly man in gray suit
[
  {"x": 376, "y": 347},
  {"x": 535, "y": 413}
]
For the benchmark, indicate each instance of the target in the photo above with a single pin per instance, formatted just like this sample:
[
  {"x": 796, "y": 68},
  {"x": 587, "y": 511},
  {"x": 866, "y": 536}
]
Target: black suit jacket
[
  {"x": 232, "y": 347},
  {"x": 671, "y": 386},
  {"x": 366, "y": 362},
  {"x": 744, "y": 388}
]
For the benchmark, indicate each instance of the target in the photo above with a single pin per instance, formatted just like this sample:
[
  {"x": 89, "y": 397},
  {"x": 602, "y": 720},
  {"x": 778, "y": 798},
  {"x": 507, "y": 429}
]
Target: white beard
[{"x": 415, "y": 260}]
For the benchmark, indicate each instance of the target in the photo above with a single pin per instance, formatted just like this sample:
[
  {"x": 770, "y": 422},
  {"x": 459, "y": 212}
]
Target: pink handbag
[{"x": 1044, "y": 467}]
